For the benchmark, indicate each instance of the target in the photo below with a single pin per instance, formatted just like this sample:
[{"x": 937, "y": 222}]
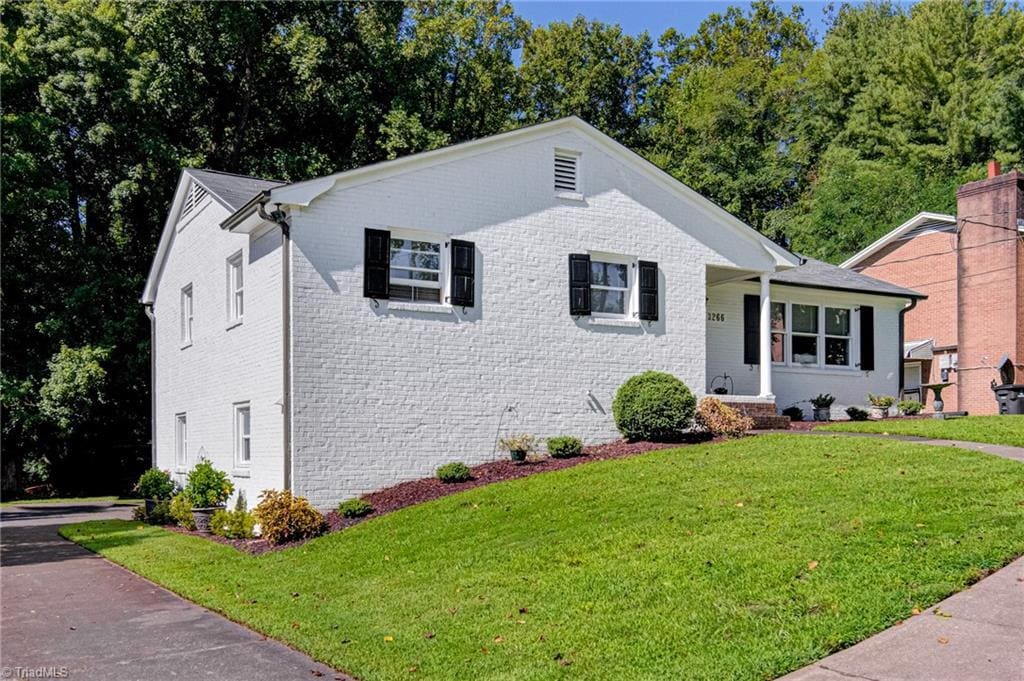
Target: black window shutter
[
  {"x": 463, "y": 269},
  {"x": 751, "y": 329},
  {"x": 867, "y": 338},
  {"x": 376, "y": 263},
  {"x": 648, "y": 276},
  {"x": 579, "y": 284}
]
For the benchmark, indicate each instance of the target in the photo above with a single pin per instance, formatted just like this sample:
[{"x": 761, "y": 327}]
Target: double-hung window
[
  {"x": 236, "y": 291},
  {"x": 778, "y": 332},
  {"x": 804, "y": 338},
  {"x": 187, "y": 315},
  {"x": 417, "y": 269},
  {"x": 610, "y": 287},
  {"x": 180, "y": 440},
  {"x": 811, "y": 335},
  {"x": 243, "y": 444},
  {"x": 837, "y": 336}
]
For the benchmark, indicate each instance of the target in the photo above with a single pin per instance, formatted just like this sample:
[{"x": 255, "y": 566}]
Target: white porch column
[{"x": 766, "y": 337}]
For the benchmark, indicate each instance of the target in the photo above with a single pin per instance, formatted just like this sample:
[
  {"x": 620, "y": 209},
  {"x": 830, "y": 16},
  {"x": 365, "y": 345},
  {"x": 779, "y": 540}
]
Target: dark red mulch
[{"x": 426, "y": 489}]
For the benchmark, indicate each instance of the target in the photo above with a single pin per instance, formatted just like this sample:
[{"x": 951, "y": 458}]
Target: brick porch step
[
  {"x": 763, "y": 412},
  {"x": 776, "y": 422}
]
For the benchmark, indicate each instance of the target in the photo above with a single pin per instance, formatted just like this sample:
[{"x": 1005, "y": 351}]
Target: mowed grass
[
  {"x": 742, "y": 560},
  {"x": 1000, "y": 430}
]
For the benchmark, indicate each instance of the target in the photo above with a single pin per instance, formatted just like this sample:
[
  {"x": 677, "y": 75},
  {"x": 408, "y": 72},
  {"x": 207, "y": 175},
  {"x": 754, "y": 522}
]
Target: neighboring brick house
[
  {"x": 971, "y": 267},
  {"x": 345, "y": 333}
]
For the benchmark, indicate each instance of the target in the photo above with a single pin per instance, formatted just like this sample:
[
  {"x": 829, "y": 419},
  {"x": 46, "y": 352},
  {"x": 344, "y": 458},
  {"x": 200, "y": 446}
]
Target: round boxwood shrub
[
  {"x": 355, "y": 508},
  {"x": 653, "y": 406},
  {"x": 155, "y": 484},
  {"x": 454, "y": 472},
  {"x": 564, "y": 446}
]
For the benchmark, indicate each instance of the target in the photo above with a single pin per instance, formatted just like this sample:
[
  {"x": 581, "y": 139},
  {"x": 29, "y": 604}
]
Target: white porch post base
[{"x": 766, "y": 338}]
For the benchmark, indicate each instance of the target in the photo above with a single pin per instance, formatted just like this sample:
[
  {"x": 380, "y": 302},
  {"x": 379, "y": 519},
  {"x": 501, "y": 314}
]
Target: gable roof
[
  {"x": 304, "y": 193},
  {"x": 922, "y": 223},
  {"x": 817, "y": 274},
  {"x": 229, "y": 190}
]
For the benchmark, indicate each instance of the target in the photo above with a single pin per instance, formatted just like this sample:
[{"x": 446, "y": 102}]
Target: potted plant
[
  {"x": 206, "y": 490},
  {"x": 880, "y": 405},
  {"x": 822, "y": 406},
  {"x": 154, "y": 486},
  {"x": 518, "y": 446}
]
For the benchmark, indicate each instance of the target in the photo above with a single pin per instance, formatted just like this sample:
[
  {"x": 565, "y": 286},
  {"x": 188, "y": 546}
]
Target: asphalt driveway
[{"x": 70, "y": 610}]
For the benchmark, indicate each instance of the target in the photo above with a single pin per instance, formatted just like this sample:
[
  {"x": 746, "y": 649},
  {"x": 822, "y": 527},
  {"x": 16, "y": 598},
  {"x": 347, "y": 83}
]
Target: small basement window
[
  {"x": 417, "y": 269},
  {"x": 567, "y": 172}
]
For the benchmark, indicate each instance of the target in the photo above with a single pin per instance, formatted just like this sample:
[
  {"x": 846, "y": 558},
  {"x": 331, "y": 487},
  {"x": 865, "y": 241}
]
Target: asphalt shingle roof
[
  {"x": 234, "y": 190},
  {"x": 818, "y": 274}
]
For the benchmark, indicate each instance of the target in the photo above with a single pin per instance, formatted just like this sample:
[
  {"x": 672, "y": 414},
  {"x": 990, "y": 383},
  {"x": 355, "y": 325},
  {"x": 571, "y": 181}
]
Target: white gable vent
[
  {"x": 195, "y": 196},
  {"x": 567, "y": 171}
]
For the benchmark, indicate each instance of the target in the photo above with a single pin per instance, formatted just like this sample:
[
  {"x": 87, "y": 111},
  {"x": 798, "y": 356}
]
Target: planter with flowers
[
  {"x": 518, "y": 446},
  {"x": 207, "y": 489},
  {"x": 880, "y": 405}
]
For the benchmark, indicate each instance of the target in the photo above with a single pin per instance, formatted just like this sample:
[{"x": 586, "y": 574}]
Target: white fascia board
[
  {"x": 895, "y": 234},
  {"x": 166, "y": 237}
]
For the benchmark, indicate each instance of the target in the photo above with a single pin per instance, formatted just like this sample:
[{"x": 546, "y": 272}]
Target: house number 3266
[{"x": 716, "y": 316}]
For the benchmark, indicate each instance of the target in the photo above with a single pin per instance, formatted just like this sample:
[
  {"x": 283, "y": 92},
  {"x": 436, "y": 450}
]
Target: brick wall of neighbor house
[
  {"x": 797, "y": 385},
  {"x": 222, "y": 366},
  {"x": 990, "y": 320},
  {"x": 382, "y": 394},
  {"x": 926, "y": 263}
]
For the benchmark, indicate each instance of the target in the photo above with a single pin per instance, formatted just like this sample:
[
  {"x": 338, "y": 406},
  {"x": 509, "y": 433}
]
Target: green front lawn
[
  {"x": 1000, "y": 430},
  {"x": 741, "y": 560}
]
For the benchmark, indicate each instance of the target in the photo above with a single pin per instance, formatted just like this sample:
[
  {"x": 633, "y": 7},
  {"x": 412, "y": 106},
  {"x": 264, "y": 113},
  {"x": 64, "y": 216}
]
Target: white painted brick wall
[
  {"x": 384, "y": 396},
  {"x": 796, "y": 385},
  {"x": 223, "y": 366}
]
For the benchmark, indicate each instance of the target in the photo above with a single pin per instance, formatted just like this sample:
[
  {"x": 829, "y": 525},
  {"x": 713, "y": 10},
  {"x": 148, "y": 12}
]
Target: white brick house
[{"x": 341, "y": 334}]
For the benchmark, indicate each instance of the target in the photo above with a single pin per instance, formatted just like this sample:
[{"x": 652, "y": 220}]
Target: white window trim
[
  {"x": 578, "y": 155},
  {"x": 819, "y": 365},
  {"x": 187, "y": 315},
  {"x": 181, "y": 441},
  {"x": 238, "y": 438},
  {"x": 632, "y": 292},
  {"x": 443, "y": 276},
  {"x": 234, "y": 318}
]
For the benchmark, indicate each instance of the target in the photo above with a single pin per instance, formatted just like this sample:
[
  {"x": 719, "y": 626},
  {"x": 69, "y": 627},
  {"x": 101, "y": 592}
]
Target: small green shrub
[
  {"x": 856, "y": 414},
  {"x": 794, "y": 413},
  {"x": 354, "y": 508},
  {"x": 155, "y": 484},
  {"x": 718, "y": 418},
  {"x": 565, "y": 446},
  {"x": 883, "y": 401},
  {"x": 455, "y": 471},
  {"x": 283, "y": 517},
  {"x": 910, "y": 407},
  {"x": 181, "y": 511},
  {"x": 207, "y": 486},
  {"x": 161, "y": 513},
  {"x": 653, "y": 406},
  {"x": 235, "y": 524}
]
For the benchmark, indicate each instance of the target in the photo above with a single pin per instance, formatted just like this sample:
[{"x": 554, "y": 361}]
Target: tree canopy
[{"x": 825, "y": 140}]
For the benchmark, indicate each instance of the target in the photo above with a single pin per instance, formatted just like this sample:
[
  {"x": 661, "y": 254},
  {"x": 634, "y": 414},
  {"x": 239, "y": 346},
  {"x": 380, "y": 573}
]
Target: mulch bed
[{"x": 414, "y": 492}]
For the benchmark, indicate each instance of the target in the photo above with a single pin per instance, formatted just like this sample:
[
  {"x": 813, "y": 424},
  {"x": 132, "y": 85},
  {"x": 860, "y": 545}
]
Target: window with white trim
[
  {"x": 804, "y": 337},
  {"x": 243, "y": 429},
  {"x": 187, "y": 315},
  {"x": 236, "y": 290},
  {"x": 417, "y": 269},
  {"x": 611, "y": 286},
  {"x": 779, "y": 333},
  {"x": 811, "y": 335},
  {"x": 837, "y": 336},
  {"x": 566, "y": 169},
  {"x": 180, "y": 440}
]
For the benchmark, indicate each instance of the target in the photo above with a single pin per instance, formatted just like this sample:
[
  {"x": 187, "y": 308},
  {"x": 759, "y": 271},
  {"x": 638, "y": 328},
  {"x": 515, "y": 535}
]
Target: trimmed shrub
[
  {"x": 283, "y": 517},
  {"x": 207, "y": 486},
  {"x": 717, "y": 418},
  {"x": 910, "y": 407},
  {"x": 856, "y": 414},
  {"x": 355, "y": 508},
  {"x": 155, "y": 484},
  {"x": 653, "y": 406},
  {"x": 564, "y": 446},
  {"x": 794, "y": 413},
  {"x": 161, "y": 513},
  {"x": 181, "y": 512},
  {"x": 234, "y": 524},
  {"x": 882, "y": 401},
  {"x": 455, "y": 471}
]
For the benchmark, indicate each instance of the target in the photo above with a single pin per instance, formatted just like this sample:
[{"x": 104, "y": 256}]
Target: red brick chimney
[{"x": 990, "y": 284}]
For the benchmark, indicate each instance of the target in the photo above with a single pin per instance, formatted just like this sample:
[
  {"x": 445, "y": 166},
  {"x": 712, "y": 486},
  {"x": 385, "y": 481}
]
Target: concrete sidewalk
[
  {"x": 66, "y": 608},
  {"x": 975, "y": 635},
  {"x": 1005, "y": 451}
]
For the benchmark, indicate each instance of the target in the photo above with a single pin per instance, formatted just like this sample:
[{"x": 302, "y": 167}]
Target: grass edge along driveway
[
  {"x": 997, "y": 430},
  {"x": 740, "y": 560}
]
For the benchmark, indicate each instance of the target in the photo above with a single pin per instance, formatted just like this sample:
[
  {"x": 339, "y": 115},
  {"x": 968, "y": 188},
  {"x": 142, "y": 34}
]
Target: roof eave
[{"x": 889, "y": 237}]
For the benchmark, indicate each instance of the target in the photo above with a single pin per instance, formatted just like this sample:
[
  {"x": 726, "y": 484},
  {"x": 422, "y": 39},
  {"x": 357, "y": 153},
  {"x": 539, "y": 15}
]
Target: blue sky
[{"x": 638, "y": 15}]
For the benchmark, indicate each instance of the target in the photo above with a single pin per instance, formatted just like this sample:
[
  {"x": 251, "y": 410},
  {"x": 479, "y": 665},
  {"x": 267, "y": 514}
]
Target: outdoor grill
[{"x": 1009, "y": 395}]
